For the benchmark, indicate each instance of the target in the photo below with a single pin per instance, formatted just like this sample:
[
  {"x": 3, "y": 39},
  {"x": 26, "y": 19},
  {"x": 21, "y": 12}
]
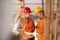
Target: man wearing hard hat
[
  {"x": 26, "y": 22},
  {"x": 40, "y": 23},
  {"x": 27, "y": 25}
]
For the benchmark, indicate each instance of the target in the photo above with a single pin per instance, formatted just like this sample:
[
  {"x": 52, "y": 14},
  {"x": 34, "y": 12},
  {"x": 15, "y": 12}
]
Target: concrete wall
[{"x": 6, "y": 18}]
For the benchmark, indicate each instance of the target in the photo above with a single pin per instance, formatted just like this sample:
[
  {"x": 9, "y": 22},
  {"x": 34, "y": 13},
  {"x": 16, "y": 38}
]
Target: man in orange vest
[
  {"x": 27, "y": 25},
  {"x": 40, "y": 23},
  {"x": 26, "y": 22}
]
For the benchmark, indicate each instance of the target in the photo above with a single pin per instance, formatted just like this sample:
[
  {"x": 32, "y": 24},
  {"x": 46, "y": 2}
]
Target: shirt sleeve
[{"x": 16, "y": 27}]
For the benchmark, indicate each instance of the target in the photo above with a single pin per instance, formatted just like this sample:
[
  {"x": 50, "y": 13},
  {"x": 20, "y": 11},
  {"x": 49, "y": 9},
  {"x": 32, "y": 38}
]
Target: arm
[
  {"x": 15, "y": 29},
  {"x": 19, "y": 13},
  {"x": 17, "y": 16}
]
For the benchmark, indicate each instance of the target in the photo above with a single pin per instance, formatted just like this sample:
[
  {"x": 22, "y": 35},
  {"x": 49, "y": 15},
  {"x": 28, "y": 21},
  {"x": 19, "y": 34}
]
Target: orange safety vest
[
  {"x": 28, "y": 27},
  {"x": 40, "y": 29}
]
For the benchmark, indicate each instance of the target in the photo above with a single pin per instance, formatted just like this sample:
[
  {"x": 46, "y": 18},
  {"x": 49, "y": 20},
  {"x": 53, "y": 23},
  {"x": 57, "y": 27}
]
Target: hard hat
[
  {"x": 38, "y": 9},
  {"x": 27, "y": 10}
]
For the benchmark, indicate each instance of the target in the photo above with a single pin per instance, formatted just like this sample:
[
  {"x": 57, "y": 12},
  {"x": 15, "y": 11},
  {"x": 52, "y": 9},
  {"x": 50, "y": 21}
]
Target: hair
[{"x": 42, "y": 12}]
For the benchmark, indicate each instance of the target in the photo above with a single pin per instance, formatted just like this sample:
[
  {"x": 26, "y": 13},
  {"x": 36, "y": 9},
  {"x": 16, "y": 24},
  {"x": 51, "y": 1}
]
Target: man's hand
[
  {"x": 22, "y": 32},
  {"x": 41, "y": 34}
]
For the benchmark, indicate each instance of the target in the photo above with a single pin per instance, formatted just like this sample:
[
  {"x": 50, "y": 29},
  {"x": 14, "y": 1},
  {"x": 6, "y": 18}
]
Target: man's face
[
  {"x": 39, "y": 14},
  {"x": 27, "y": 15}
]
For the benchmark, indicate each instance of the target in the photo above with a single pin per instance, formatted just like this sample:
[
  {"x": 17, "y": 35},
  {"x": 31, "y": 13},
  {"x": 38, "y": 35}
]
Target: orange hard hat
[{"x": 27, "y": 10}]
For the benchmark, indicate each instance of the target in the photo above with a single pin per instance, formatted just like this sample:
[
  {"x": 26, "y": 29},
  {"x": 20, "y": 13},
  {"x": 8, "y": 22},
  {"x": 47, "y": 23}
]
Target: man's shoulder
[{"x": 21, "y": 18}]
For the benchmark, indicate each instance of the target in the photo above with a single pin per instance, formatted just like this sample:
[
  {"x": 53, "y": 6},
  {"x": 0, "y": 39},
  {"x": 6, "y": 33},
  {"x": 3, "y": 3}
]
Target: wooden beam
[
  {"x": 47, "y": 19},
  {"x": 58, "y": 19},
  {"x": 52, "y": 20}
]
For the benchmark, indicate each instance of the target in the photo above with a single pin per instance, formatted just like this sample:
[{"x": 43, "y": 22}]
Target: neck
[
  {"x": 40, "y": 18},
  {"x": 27, "y": 17}
]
